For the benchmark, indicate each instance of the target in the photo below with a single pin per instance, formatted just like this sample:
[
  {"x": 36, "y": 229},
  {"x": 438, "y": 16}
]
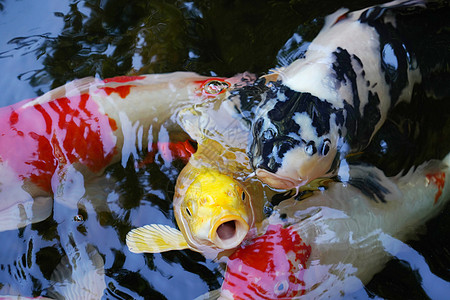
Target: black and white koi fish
[{"x": 333, "y": 100}]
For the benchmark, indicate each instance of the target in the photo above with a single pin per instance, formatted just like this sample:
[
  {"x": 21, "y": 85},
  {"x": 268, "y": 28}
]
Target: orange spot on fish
[
  {"x": 38, "y": 139},
  {"x": 112, "y": 124},
  {"x": 341, "y": 17},
  {"x": 271, "y": 267},
  {"x": 437, "y": 179},
  {"x": 123, "y": 79},
  {"x": 122, "y": 90}
]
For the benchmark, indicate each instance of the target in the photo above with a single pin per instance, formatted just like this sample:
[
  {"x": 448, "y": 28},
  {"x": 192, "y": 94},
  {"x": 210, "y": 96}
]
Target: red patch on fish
[
  {"x": 123, "y": 79},
  {"x": 437, "y": 179},
  {"x": 36, "y": 140},
  {"x": 212, "y": 87},
  {"x": 271, "y": 267},
  {"x": 341, "y": 17},
  {"x": 122, "y": 90},
  {"x": 170, "y": 151}
]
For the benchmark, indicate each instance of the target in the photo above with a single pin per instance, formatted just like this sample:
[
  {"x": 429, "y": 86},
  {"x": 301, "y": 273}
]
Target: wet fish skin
[
  {"x": 74, "y": 132},
  {"x": 346, "y": 236},
  {"x": 270, "y": 267},
  {"x": 333, "y": 100}
]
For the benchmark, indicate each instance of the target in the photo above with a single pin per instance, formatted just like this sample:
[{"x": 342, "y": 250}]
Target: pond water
[{"x": 44, "y": 44}]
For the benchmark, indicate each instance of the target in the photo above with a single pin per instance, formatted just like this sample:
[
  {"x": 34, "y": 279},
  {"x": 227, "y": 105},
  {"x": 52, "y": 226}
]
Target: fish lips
[
  {"x": 278, "y": 181},
  {"x": 228, "y": 232}
]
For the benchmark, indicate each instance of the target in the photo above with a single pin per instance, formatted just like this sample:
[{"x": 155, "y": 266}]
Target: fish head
[
  {"x": 270, "y": 267},
  {"x": 294, "y": 138},
  {"x": 215, "y": 211}
]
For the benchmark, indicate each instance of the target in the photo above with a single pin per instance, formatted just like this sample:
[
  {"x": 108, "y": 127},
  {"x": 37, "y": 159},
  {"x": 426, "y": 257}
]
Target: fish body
[
  {"x": 74, "y": 132},
  {"x": 345, "y": 236},
  {"x": 333, "y": 100}
]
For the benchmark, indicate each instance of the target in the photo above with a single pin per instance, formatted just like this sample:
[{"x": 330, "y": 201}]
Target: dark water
[{"x": 44, "y": 44}]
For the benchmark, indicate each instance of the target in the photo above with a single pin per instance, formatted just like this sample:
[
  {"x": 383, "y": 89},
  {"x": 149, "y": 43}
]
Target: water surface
[{"x": 44, "y": 44}]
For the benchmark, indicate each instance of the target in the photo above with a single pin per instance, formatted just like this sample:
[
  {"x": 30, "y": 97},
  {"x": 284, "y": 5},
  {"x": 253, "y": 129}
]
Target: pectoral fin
[{"x": 155, "y": 238}]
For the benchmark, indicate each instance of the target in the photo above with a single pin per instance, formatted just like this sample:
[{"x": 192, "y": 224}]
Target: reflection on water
[{"x": 43, "y": 46}]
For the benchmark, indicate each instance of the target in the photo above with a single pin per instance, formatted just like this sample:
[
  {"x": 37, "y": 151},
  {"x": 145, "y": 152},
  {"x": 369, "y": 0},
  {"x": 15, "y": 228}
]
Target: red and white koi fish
[
  {"x": 75, "y": 131},
  {"x": 332, "y": 243}
]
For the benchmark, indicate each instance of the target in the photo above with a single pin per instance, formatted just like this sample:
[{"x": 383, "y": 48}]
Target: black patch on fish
[
  {"x": 359, "y": 127},
  {"x": 271, "y": 139},
  {"x": 345, "y": 73},
  {"x": 268, "y": 209},
  {"x": 358, "y": 60},
  {"x": 282, "y": 113},
  {"x": 370, "y": 185},
  {"x": 248, "y": 97},
  {"x": 278, "y": 198},
  {"x": 372, "y": 115},
  {"x": 395, "y": 53},
  {"x": 335, "y": 164}
]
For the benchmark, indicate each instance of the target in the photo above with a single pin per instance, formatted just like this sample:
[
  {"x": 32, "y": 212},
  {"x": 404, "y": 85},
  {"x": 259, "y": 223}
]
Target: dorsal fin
[{"x": 76, "y": 87}]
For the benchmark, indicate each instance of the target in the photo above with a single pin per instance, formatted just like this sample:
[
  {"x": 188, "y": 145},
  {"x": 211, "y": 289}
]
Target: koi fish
[
  {"x": 332, "y": 243},
  {"x": 214, "y": 207},
  {"x": 74, "y": 132},
  {"x": 333, "y": 100},
  {"x": 214, "y": 212}
]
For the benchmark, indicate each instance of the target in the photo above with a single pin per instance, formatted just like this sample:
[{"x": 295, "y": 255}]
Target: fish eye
[
  {"x": 243, "y": 196},
  {"x": 188, "y": 212},
  {"x": 325, "y": 147},
  {"x": 215, "y": 87},
  {"x": 310, "y": 149},
  {"x": 281, "y": 287}
]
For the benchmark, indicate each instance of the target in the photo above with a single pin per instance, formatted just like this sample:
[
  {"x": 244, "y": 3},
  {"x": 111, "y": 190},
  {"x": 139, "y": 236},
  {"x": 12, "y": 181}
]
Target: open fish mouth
[
  {"x": 277, "y": 181},
  {"x": 229, "y": 232}
]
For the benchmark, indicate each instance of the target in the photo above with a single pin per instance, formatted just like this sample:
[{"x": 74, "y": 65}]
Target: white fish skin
[{"x": 351, "y": 235}]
